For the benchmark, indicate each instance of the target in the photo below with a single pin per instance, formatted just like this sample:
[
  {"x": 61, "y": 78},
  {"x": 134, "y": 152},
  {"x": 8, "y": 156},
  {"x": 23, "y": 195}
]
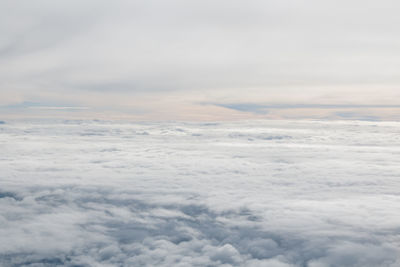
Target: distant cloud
[
  {"x": 36, "y": 105},
  {"x": 246, "y": 107},
  {"x": 354, "y": 115},
  {"x": 348, "y": 111},
  {"x": 259, "y": 108},
  {"x": 59, "y": 108}
]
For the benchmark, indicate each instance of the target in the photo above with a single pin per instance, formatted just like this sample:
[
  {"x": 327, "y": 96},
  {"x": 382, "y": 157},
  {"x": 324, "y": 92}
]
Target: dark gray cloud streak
[{"x": 263, "y": 108}]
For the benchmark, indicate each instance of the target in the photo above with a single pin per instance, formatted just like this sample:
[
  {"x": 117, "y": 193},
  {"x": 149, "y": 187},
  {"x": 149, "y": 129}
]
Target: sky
[{"x": 200, "y": 60}]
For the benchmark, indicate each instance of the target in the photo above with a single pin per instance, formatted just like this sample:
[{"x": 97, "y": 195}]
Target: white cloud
[{"x": 98, "y": 193}]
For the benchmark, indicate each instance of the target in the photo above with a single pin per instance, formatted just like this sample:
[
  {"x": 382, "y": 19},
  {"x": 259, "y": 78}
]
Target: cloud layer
[
  {"x": 113, "y": 57},
  {"x": 260, "y": 193}
]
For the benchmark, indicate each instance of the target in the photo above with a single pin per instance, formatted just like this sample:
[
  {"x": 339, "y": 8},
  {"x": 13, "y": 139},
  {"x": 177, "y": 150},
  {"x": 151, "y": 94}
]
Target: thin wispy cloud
[
  {"x": 59, "y": 108},
  {"x": 249, "y": 106}
]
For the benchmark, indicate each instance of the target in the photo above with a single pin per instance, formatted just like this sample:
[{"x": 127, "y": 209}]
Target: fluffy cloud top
[{"x": 260, "y": 193}]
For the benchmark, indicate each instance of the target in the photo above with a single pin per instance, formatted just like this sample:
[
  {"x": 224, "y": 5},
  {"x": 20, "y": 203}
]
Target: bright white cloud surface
[{"x": 258, "y": 193}]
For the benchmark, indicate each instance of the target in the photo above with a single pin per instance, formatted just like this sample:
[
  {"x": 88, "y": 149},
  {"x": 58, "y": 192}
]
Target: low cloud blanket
[{"x": 256, "y": 193}]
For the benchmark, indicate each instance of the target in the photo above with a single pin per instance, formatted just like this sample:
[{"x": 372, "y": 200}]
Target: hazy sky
[{"x": 200, "y": 60}]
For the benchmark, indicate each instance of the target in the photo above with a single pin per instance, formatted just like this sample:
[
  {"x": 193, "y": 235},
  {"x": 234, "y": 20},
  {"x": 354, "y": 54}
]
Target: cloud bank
[{"x": 257, "y": 193}]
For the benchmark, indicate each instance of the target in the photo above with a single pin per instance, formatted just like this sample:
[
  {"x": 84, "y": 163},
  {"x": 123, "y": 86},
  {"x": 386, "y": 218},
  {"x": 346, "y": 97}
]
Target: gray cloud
[
  {"x": 52, "y": 50},
  {"x": 249, "y": 106},
  {"x": 336, "y": 111}
]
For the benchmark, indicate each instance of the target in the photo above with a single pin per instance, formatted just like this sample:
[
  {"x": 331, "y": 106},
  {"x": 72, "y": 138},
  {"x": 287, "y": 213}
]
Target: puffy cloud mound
[{"x": 261, "y": 193}]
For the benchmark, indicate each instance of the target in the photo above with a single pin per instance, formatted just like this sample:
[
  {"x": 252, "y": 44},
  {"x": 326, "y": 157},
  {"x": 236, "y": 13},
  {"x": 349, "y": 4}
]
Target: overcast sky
[{"x": 200, "y": 60}]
